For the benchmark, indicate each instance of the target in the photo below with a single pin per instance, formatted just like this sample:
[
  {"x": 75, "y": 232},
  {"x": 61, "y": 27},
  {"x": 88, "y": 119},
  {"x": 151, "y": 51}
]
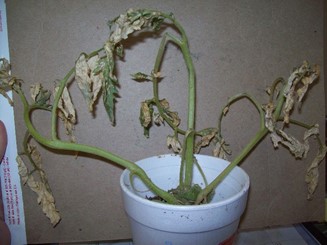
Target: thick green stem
[
  {"x": 188, "y": 151},
  {"x": 189, "y": 146}
]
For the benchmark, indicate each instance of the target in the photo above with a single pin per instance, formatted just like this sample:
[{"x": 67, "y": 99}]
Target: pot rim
[{"x": 177, "y": 207}]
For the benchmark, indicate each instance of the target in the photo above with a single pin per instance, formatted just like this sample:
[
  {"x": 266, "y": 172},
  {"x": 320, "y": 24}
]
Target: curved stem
[
  {"x": 69, "y": 146},
  {"x": 253, "y": 142},
  {"x": 166, "y": 38},
  {"x": 238, "y": 97},
  {"x": 250, "y": 146},
  {"x": 263, "y": 131}
]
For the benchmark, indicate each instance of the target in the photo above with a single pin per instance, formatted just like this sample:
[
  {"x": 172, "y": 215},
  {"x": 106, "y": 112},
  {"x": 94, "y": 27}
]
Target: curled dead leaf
[{"x": 174, "y": 144}]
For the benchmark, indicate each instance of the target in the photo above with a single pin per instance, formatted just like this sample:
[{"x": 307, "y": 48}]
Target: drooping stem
[
  {"x": 70, "y": 146},
  {"x": 249, "y": 147},
  {"x": 261, "y": 134}
]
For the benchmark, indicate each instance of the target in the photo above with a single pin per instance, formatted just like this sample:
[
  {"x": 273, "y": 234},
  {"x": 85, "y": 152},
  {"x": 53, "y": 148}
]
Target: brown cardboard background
[{"x": 236, "y": 45}]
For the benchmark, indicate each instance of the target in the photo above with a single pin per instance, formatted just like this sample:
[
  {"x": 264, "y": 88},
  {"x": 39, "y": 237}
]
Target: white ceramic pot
[{"x": 154, "y": 223}]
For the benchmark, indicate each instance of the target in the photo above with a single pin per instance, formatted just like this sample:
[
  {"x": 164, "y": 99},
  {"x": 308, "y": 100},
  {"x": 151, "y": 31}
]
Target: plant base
[{"x": 158, "y": 223}]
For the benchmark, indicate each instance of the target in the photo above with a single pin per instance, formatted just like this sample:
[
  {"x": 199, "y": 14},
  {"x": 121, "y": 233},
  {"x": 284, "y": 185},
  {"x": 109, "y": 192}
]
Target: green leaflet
[{"x": 110, "y": 93}]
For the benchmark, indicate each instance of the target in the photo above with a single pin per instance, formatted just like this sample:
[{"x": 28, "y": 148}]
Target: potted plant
[{"x": 197, "y": 189}]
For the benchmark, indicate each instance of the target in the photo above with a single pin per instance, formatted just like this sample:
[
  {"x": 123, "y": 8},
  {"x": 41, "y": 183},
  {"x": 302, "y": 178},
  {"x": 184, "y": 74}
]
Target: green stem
[
  {"x": 238, "y": 97},
  {"x": 253, "y": 142},
  {"x": 249, "y": 147},
  {"x": 166, "y": 38},
  {"x": 54, "y": 117},
  {"x": 69, "y": 146},
  {"x": 188, "y": 150}
]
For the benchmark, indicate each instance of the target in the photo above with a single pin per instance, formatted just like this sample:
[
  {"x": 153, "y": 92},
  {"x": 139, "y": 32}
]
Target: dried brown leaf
[
  {"x": 221, "y": 149},
  {"x": 88, "y": 82},
  {"x": 165, "y": 104},
  {"x": 207, "y": 136},
  {"x": 157, "y": 118},
  {"x": 173, "y": 116},
  {"x": 313, "y": 131},
  {"x": 306, "y": 81},
  {"x": 44, "y": 197},
  {"x": 269, "y": 119},
  {"x": 145, "y": 115},
  {"x": 297, "y": 148},
  {"x": 35, "y": 154},
  {"x": 312, "y": 175},
  {"x": 22, "y": 169},
  {"x": 66, "y": 105},
  {"x": 288, "y": 107},
  {"x": 67, "y": 112},
  {"x": 297, "y": 86},
  {"x": 174, "y": 144},
  {"x": 35, "y": 89},
  {"x": 275, "y": 138}
]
